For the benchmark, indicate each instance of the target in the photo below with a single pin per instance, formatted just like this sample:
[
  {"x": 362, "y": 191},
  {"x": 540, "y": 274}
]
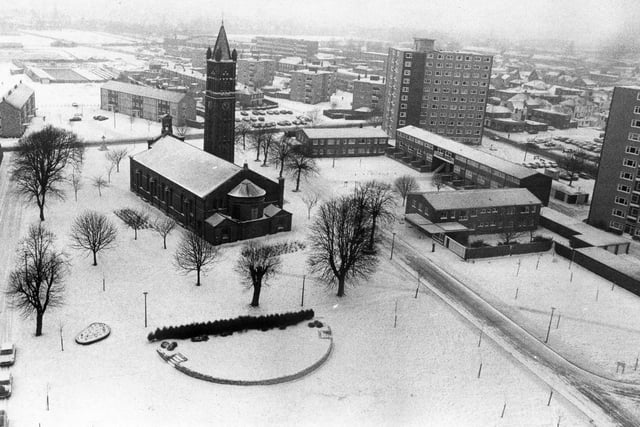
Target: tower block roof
[{"x": 221, "y": 51}]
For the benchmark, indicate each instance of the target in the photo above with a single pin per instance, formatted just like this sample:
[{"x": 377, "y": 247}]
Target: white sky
[{"x": 580, "y": 20}]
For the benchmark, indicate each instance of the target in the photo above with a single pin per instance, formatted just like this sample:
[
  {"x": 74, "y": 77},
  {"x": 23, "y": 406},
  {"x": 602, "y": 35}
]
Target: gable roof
[
  {"x": 470, "y": 199},
  {"x": 189, "y": 167},
  {"x": 363, "y": 132},
  {"x": 222, "y": 45},
  {"x": 468, "y": 152},
  {"x": 145, "y": 91},
  {"x": 18, "y": 95}
]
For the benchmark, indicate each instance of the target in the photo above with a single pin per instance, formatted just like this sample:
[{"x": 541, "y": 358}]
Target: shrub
[
  {"x": 538, "y": 238},
  {"x": 229, "y": 326}
]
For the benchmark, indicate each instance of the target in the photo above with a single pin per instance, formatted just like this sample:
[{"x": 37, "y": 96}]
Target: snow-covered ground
[{"x": 421, "y": 372}]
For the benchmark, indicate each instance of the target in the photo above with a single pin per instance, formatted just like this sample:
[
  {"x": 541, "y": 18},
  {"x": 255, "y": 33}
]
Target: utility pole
[
  {"x": 549, "y": 328},
  {"x": 393, "y": 241},
  {"x": 304, "y": 276},
  {"x": 145, "y": 308}
]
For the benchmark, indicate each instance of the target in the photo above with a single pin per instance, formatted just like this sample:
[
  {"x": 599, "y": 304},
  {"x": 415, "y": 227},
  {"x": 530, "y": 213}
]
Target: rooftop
[
  {"x": 189, "y": 167},
  {"x": 18, "y": 95},
  {"x": 364, "y": 132},
  {"x": 463, "y": 150},
  {"x": 470, "y": 199},
  {"x": 145, "y": 91},
  {"x": 246, "y": 189}
]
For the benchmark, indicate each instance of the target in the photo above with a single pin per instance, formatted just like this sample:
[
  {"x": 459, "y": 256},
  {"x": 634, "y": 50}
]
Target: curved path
[{"x": 598, "y": 397}]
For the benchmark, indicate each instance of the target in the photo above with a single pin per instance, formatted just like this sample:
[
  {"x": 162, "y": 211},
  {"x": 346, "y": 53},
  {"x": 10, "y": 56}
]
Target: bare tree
[
  {"x": 299, "y": 165},
  {"x": 437, "y": 180},
  {"x": 574, "y": 162},
  {"x": 310, "y": 200},
  {"x": 314, "y": 115},
  {"x": 379, "y": 202},
  {"x": 164, "y": 226},
  {"x": 99, "y": 182},
  {"x": 39, "y": 283},
  {"x": 338, "y": 240},
  {"x": 404, "y": 185},
  {"x": 256, "y": 140},
  {"x": 282, "y": 150},
  {"x": 242, "y": 130},
  {"x": 92, "y": 231},
  {"x": 110, "y": 168},
  {"x": 508, "y": 235},
  {"x": 116, "y": 156},
  {"x": 76, "y": 183},
  {"x": 39, "y": 166},
  {"x": 181, "y": 131},
  {"x": 135, "y": 219},
  {"x": 194, "y": 254},
  {"x": 267, "y": 142},
  {"x": 257, "y": 263}
]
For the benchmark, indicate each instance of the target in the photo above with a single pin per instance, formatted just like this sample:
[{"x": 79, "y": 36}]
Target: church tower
[{"x": 220, "y": 99}]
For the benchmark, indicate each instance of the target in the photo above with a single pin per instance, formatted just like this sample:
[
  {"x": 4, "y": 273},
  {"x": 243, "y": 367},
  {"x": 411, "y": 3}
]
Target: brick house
[{"x": 17, "y": 108}]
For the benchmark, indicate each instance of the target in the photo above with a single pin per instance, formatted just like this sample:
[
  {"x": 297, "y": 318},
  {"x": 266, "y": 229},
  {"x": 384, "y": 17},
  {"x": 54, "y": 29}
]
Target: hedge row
[{"x": 229, "y": 326}]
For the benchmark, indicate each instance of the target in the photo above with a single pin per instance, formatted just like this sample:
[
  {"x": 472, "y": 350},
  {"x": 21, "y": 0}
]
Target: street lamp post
[
  {"x": 549, "y": 328},
  {"x": 393, "y": 241},
  {"x": 145, "y": 308}
]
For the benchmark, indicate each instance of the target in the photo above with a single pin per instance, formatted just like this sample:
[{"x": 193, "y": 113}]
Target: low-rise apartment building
[
  {"x": 312, "y": 87},
  {"x": 368, "y": 93},
  {"x": 255, "y": 72},
  {"x": 343, "y": 142}
]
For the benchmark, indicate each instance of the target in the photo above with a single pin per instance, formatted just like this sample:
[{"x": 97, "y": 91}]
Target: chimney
[
  {"x": 280, "y": 192},
  {"x": 167, "y": 126},
  {"x": 245, "y": 166}
]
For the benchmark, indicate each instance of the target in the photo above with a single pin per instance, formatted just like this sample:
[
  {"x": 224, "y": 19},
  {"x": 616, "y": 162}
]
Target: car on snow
[
  {"x": 75, "y": 119},
  {"x": 7, "y": 354},
  {"x": 100, "y": 117},
  {"x": 6, "y": 383},
  {"x": 261, "y": 119},
  {"x": 74, "y": 104},
  {"x": 244, "y": 113}
]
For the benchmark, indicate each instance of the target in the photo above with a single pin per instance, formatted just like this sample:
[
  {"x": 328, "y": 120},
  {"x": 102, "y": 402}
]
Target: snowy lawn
[
  {"x": 587, "y": 328},
  {"x": 255, "y": 355},
  {"x": 423, "y": 371}
]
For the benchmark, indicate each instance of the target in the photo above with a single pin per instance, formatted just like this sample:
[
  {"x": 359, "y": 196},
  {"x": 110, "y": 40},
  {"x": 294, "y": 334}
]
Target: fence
[
  {"x": 600, "y": 267},
  {"x": 503, "y": 250}
]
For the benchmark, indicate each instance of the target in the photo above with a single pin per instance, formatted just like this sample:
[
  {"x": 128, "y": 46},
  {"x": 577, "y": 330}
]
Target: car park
[{"x": 7, "y": 354}]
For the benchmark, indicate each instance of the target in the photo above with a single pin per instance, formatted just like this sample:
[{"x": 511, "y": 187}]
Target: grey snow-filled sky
[{"x": 583, "y": 21}]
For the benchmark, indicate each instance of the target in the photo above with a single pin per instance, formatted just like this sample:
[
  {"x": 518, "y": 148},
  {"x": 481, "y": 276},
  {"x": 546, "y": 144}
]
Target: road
[
  {"x": 598, "y": 397},
  {"x": 11, "y": 211}
]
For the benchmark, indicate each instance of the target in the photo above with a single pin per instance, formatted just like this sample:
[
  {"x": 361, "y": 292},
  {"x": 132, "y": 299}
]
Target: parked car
[
  {"x": 7, "y": 354},
  {"x": 100, "y": 117},
  {"x": 553, "y": 165},
  {"x": 495, "y": 137},
  {"x": 532, "y": 131},
  {"x": 261, "y": 119},
  {"x": 566, "y": 176},
  {"x": 244, "y": 113},
  {"x": 585, "y": 175},
  {"x": 255, "y": 112},
  {"x": 254, "y": 119},
  {"x": 6, "y": 383},
  {"x": 75, "y": 119},
  {"x": 4, "y": 421},
  {"x": 256, "y": 125},
  {"x": 270, "y": 112},
  {"x": 246, "y": 119},
  {"x": 74, "y": 104},
  {"x": 287, "y": 123}
]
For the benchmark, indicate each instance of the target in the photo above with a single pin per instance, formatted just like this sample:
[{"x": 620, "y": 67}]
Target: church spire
[{"x": 222, "y": 46}]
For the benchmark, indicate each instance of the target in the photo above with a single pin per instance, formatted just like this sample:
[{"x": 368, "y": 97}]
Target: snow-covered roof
[
  {"x": 216, "y": 219},
  {"x": 460, "y": 149},
  {"x": 292, "y": 60},
  {"x": 271, "y": 210},
  {"x": 481, "y": 198},
  {"x": 189, "y": 167},
  {"x": 18, "y": 95},
  {"x": 497, "y": 109},
  {"x": 247, "y": 189},
  {"x": 364, "y": 132},
  {"x": 145, "y": 91}
]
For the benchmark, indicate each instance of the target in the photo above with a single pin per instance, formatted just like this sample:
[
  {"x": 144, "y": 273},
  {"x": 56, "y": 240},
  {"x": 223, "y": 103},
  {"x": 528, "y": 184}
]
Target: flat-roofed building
[
  {"x": 343, "y": 142},
  {"x": 312, "y": 87},
  {"x": 485, "y": 211},
  {"x": 466, "y": 166},
  {"x": 557, "y": 119},
  {"x": 368, "y": 93},
  {"x": 443, "y": 92},
  {"x": 283, "y": 47},
  {"x": 256, "y": 72},
  {"x": 147, "y": 102}
]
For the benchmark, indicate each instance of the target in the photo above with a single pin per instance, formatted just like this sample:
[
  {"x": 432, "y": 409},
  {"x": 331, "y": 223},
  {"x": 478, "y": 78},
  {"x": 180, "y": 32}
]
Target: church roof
[
  {"x": 189, "y": 167},
  {"x": 247, "y": 189},
  {"x": 222, "y": 45}
]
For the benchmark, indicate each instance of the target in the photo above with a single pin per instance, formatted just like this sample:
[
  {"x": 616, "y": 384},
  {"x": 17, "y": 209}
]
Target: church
[{"x": 204, "y": 190}]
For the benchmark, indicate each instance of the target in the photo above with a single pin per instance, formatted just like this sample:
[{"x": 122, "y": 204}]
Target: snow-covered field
[{"x": 422, "y": 372}]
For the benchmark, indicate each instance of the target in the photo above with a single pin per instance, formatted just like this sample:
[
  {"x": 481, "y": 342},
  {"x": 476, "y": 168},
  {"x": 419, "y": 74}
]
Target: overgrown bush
[{"x": 228, "y": 326}]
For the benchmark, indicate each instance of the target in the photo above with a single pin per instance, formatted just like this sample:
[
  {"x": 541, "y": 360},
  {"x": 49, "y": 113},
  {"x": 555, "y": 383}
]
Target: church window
[{"x": 254, "y": 213}]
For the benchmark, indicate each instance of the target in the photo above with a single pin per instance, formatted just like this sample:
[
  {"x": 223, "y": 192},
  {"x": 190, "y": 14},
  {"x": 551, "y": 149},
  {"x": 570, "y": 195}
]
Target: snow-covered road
[{"x": 601, "y": 399}]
